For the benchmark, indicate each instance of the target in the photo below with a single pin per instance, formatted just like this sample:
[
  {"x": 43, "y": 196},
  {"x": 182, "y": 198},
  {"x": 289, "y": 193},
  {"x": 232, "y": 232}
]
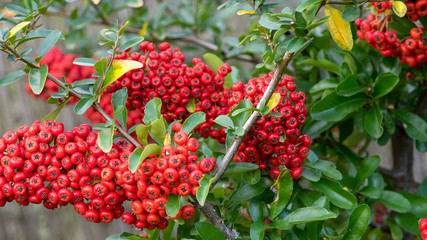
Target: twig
[
  {"x": 351, "y": 3},
  {"x": 252, "y": 119},
  {"x": 73, "y": 93},
  {"x": 210, "y": 213}
]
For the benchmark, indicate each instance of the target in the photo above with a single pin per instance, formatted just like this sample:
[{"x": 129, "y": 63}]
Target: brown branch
[
  {"x": 229, "y": 155},
  {"x": 73, "y": 93},
  {"x": 351, "y": 3}
]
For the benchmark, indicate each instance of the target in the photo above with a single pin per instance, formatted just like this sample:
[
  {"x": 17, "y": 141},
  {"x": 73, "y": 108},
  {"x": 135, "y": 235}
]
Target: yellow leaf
[
  {"x": 340, "y": 29},
  {"x": 168, "y": 140},
  {"x": 274, "y": 100},
  {"x": 143, "y": 29},
  {"x": 17, "y": 28},
  {"x": 96, "y": 2},
  {"x": 399, "y": 8},
  {"x": 243, "y": 12}
]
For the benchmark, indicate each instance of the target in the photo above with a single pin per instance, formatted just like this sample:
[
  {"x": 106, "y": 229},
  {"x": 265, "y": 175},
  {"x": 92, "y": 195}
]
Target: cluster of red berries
[
  {"x": 61, "y": 64},
  {"x": 275, "y": 140},
  {"x": 45, "y": 164},
  {"x": 164, "y": 75},
  {"x": 423, "y": 228},
  {"x": 373, "y": 30}
]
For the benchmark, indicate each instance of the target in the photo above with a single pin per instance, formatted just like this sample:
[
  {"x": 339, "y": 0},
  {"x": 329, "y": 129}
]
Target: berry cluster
[
  {"x": 423, "y": 228},
  {"x": 275, "y": 140},
  {"x": 164, "y": 75},
  {"x": 45, "y": 164},
  {"x": 410, "y": 50},
  {"x": 61, "y": 64}
]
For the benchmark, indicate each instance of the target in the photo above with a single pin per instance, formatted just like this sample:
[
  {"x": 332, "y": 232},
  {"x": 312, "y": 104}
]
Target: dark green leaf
[
  {"x": 414, "y": 125},
  {"x": 358, "y": 222},
  {"x": 335, "y": 108},
  {"x": 384, "y": 84},
  {"x": 327, "y": 168},
  {"x": 172, "y": 205},
  {"x": 105, "y": 139},
  {"x": 350, "y": 86},
  {"x": 324, "y": 84},
  {"x": 422, "y": 189},
  {"x": 257, "y": 230},
  {"x": 284, "y": 191},
  {"x": 193, "y": 121},
  {"x": 224, "y": 121},
  {"x": 135, "y": 162},
  {"x": 317, "y": 23},
  {"x": 152, "y": 110},
  {"x": 395, "y": 201},
  {"x": 85, "y": 62},
  {"x": 351, "y": 13},
  {"x": 37, "y": 79},
  {"x": 368, "y": 166},
  {"x": 12, "y": 77},
  {"x": 239, "y": 167},
  {"x": 282, "y": 224},
  {"x": 396, "y": 231},
  {"x": 371, "y": 192},
  {"x": 372, "y": 121},
  {"x": 409, "y": 222},
  {"x": 208, "y": 232},
  {"x": 321, "y": 63},
  {"x": 309, "y": 214},
  {"x": 48, "y": 43},
  {"x": 295, "y": 44},
  {"x": 335, "y": 193},
  {"x": 256, "y": 211},
  {"x": 247, "y": 191},
  {"x": 83, "y": 105},
  {"x": 419, "y": 204}
]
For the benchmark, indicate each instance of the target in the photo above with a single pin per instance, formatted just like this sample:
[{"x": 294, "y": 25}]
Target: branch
[
  {"x": 189, "y": 39},
  {"x": 351, "y": 3},
  {"x": 210, "y": 213},
  {"x": 229, "y": 155},
  {"x": 73, "y": 93}
]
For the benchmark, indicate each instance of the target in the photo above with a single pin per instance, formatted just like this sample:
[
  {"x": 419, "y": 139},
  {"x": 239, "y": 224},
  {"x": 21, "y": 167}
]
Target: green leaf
[
  {"x": 284, "y": 191},
  {"x": 409, "y": 222},
  {"x": 384, "y": 84},
  {"x": 414, "y": 125},
  {"x": 203, "y": 189},
  {"x": 85, "y": 62},
  {"x": 101, "y": 66},
  {"x": 321, "y": 63},
  {"x": 18, "y": 27},
  {"x": 87, "y": 81},
  {"x": 396, "y": 231},
  {"x": 172, "y": 205},
  {"x": 12, "y": 77},
  {"x": 118, "y": 68},
  {"x": 83, "y": 105},
  {"x": 257, "y": 230},
  {"x": 372, "y": 121},
  {"x": 152, "y": 111},
  {"x": 350, "y": 86},
  {"x": 118, "y": 100},
  {"x": 351, "y": 13},
  {"x": 142, "y": 134},
  {"x": 418, "y": 204},
  {"x": 214, "y": 62},
  {"x": 256, "y": 210},
  {"x": 371, "y": 192},
  {"x": 140, "y": 155},
  {"x": 224, "y": 121},
  {"x": 335, "y": 193},
  {"x": 358, "y": 222},
  {"x": 239, "y": 167},
  {"x": 37, "y": 79},
  {"x": 55, "y": 113},
  {"x": 48, "y": 43},
  {"x": 269, "y": 22},
  {"x": 324, "y": 85},
  {"x": 422, "y": 189},
  {"x": 295, "y": 44},
  {"x": 367, "y": 167},
  {"x": 309, "y": 214},
  {"x": 327, "y": 168},
  {"x": 193, "y": 121},
  {"x": 311, "y": 174},
  {"x": 317, "y": 23},
  {"x": 281, "y": 224},
  {"x": 208, "y": 232},
  {"x": 247, "y": 191},
  {"x": 305, "y": 4},
  {"x": 395, "y": 201},
  {"x": 131, "y": 43},
  {"x": 335, "y": 108},
  {"x": 105, "y": 139},
  {"x": 158, "y": 130}
]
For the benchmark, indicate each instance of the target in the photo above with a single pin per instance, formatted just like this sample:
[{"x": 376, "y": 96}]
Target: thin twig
[
  {"x": 73, "y": 93},
  {"x": 229, "y": 155}
]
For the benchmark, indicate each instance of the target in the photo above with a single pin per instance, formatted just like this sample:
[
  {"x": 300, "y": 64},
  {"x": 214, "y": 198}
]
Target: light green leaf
[
  {"x": 309, "y": 214},
  {"x": 172, "y": 205},
  {"x": 18, "y": 27},
  {"x": 55, "y": 113},
  {"x": 37, "y": 79},
  {"x": 152, "y": 111},
  {"x": 48, "y": 42},
  {"x": 85, "y": 62},
  {"x": 138, "y": 156},
  {"x": 284, "y": 191},
  {"x": 203, "y": 189},
  {"x": 83, "y": 105},
  {"x": 327, "y": 168},
  {"x": 105, "y": 139},
  {"x": 12, "y": 77},
  {"x": 193, "y": 121}
]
